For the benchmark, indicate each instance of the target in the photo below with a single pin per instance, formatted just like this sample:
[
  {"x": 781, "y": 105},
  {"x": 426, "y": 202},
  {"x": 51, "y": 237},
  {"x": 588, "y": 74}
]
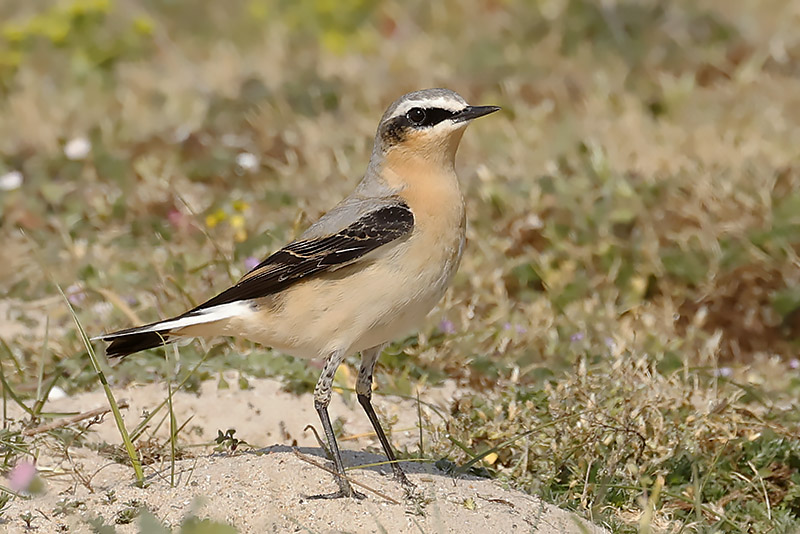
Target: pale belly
[{"x": 357, "y": 307}]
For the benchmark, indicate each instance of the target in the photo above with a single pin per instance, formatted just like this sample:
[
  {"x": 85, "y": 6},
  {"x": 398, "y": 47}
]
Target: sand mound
[{"x": 267, "y": 489}]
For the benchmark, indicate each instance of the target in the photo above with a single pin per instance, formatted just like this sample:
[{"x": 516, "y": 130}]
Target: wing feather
[{"x": 307, "y": 257}]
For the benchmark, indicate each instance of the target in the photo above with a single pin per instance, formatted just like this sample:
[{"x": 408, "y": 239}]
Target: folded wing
[
  {"x": 298, "y": 260},
  {"x": 305, "y": 258}
]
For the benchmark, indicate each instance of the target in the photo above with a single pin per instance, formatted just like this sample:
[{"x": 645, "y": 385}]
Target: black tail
[
  {"x": 134, "y": 342},
  {"x": 130, "y": 340}
]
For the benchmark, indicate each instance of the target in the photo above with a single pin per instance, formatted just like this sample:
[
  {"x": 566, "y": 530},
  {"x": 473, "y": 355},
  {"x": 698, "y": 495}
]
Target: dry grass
[{"x": 632, "y": 261}]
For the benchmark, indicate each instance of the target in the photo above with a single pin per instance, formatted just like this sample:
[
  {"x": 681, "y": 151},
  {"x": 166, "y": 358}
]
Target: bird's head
[{"x": 426, "y": 124}]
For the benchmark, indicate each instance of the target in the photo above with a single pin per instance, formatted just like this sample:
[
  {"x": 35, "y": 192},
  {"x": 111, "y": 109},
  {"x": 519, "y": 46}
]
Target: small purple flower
[
  {"x": 175, "y": 218},
  {"x": 794, "y": 363},
  {"x": 75, "y": 294},
  {"x": 447, "y": 326},
  {"x": 577, "y": 336},
  {"x": 251, "y": 262},
  {"x": 21, "y": 476},
  {"x": 519, "y": 329}
]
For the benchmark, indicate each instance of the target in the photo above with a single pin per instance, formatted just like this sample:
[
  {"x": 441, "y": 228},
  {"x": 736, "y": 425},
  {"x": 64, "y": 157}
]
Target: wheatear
[{"x": 365, "y": 273}]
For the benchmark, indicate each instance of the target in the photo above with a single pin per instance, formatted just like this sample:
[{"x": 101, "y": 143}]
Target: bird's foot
[
  {"x": 341, "y": 494},
  {"x": 400, "y": 476},
  {"x": 345, "y": 491}
]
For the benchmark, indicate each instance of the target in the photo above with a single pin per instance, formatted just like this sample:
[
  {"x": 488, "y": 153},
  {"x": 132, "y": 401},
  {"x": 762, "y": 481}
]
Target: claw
[
  {"x": 341, "y": 494},
  {"x": 401, "y": 477}
]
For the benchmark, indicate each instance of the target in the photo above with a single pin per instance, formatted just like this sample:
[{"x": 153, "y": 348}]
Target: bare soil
[{"x": 267, "y": 488}]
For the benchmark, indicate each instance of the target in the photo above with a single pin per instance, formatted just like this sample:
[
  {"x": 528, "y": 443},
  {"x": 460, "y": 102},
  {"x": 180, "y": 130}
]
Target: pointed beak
[{"x": 473, "y": 112}]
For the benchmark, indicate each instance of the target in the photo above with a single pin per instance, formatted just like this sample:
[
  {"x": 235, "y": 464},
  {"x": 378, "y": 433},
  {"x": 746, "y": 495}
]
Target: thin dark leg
[
  {"x": 401, "y": 477},
  {"x": 322, "y": 398},
  {"x": 345, "y": 489},
  {"x": 364, "y": 393}
]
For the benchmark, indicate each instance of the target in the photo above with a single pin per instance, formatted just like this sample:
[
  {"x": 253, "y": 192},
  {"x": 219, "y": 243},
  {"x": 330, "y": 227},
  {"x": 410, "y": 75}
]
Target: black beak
[{"x": 473, "y": 112}]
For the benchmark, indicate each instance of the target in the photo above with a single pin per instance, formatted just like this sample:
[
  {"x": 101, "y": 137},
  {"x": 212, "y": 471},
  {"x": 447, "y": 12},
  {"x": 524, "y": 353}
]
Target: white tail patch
[{"x": 208, "y": 315}]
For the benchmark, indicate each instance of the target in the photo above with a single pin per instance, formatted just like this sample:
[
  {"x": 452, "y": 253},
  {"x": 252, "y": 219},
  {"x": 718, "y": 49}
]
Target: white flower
[
  {"x": 77, "y": 148},
  {"x": 247, "y": 161},
  {"x": 56, "y": 394},
  {"x": 10, "y": 181}
]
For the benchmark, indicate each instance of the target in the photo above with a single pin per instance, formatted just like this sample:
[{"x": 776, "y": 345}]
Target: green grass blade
[
  {"x": 40, "y": 371},
  {"x": 173, "y": 430},
  {"x": 42, "y": 397},
  {"x": 7, "y": 390},
  {"x": 419, "y": 426},
  {"x": 123, "y": 432}
]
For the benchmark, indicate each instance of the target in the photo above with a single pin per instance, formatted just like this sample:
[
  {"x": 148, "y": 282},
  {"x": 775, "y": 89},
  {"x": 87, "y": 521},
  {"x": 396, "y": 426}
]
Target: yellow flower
[
  {"x": 238, "y": 224},
  {"x": 240, "y": 205},
  {"x": 215, "y": 218},
  {"x": 13, "y": 33},
  {"x": 143, "y": 25}
]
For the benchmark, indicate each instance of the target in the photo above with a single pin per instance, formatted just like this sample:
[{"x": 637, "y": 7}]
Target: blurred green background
[{"x": 634, "y": 218}]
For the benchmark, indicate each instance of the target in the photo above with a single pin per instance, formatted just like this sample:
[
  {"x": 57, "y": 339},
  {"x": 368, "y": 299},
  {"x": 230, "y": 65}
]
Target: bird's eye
[{"x": 416, "y": 115}]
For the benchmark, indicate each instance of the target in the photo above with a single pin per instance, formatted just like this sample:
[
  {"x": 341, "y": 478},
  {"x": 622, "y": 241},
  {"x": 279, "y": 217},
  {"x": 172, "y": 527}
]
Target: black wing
[{"x": 305, "y": 258}]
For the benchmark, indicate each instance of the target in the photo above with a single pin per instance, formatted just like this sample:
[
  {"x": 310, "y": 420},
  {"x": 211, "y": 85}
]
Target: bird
[{"x": 368, "y": 271}]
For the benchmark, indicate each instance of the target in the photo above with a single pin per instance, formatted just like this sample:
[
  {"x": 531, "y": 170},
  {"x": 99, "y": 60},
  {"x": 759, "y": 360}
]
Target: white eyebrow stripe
[{"x": 444, "y": 103}]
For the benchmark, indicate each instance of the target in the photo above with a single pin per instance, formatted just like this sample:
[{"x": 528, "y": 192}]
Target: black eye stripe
[
  {"x": 395, "y": 130},
  {"x": 434, "y": 116}
]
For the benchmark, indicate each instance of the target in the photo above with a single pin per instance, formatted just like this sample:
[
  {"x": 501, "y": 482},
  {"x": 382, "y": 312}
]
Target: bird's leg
[
  {"x": 364, "y": 391},
  {"x": 322, "y": 398}
]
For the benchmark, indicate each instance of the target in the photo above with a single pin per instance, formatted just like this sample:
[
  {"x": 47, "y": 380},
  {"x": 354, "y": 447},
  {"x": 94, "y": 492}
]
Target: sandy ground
[{"x": 266, "y": 489}]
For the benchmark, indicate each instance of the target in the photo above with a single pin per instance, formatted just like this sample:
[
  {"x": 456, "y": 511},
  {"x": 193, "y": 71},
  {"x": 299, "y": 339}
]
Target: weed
[
  {"x": 191, "y": 524},
  {"x": 227, "y": 442},
  {"x": 131, "y": 511},
  {"x": 5, "y": 498},
  {"x": 609, "y": 435},
  {"x": 110, "y": 496},
  {"x": 27, "y": 518},
  {"x": 67, "y": 506},
  {"x": 99, "y": 526}
]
